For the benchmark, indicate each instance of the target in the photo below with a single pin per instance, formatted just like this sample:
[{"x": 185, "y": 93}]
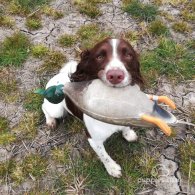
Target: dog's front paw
[
  {"x": 113, "y": 169},
  {"x": 51, "y": 123}
]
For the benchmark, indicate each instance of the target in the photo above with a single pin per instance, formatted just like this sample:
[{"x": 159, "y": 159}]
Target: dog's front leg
[{"x": 111, "y": 166}]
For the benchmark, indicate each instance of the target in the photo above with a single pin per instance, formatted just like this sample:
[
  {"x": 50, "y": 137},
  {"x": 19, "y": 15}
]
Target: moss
[
  {"x": 187, "y": 158},
  {"x": 33, "y": 102},
  {"x": 141, "y": 11},
  {"x": 6, "y": 21},
  {"x": 39, "y": 51},
  {"x": 181, "y": 27},
  {"x": 67, "y": 40},
  {"x": 53, "y": 61},
  {"x": 55, "y": 14},
  {"x": 14, "y": 50},
  {"x": 34, "y": 165},
  {"x": 33, "y": 23},
  {"x": 157, "y": 27},
  {"x": 90, "y": 34},
  {"x": 27, "y": 128}
]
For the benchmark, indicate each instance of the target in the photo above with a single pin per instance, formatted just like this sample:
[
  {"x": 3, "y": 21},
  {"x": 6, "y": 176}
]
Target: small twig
[
  {"x": 78, "y": 49},
  {"x": 25, "y": 146},
  {"x": 189, "y": 175},
  {"x": 31, "y": 14}
]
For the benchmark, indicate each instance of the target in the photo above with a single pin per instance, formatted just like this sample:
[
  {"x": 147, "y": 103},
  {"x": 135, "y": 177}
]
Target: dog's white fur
[{"x": 99, "y": 131}]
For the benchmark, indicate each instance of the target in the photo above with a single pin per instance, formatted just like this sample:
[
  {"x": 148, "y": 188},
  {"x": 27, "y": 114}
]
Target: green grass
[
  {"x": 14, "y": 50},
  {"x": 34, "y": 165},
  {"x": 135, "y": 162},
  {"x": 24, "y": 7},
  {"x": 39, "y": 51},
  {"x": 181, "y": 27},
  {"x": 27, "y": 127},
  {"x": 89, "y": 8},
  {"x": 33, "y": 102},
  {"x": 8, "y": 85},
  {"x": 67, "y": 40},
  {"x": 170, "y": 59},
  {"x": 74, "y": 125},
  {"x": 33, "y": 23},
  {"x": 90, "y": 34},
  {"x": 49, "y": 11},
  {"x": 187, "y": 158},
  {"x": 157, "y": 27},
  {"x": 6, "y": 21},
  {"x": 52, "y": 61},
  {"x": 141, "y": 11},
  {"x": 5, "y": 135}
]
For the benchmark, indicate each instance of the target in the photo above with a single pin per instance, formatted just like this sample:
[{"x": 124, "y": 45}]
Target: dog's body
[{"x": 114, "y": 62}]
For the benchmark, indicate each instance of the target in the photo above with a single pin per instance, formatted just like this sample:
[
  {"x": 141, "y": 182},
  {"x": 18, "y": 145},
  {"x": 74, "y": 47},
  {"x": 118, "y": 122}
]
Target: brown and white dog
[{"x": 115, "y": 62}]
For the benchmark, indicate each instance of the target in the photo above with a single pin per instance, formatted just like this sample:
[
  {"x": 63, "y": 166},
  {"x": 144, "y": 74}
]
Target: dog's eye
[
  {"x": 100, "y": 57},
  {"x": 127, "y": 55}
]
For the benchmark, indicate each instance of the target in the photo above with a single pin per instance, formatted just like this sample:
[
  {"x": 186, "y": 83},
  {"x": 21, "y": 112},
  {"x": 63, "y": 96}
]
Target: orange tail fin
[{"x": 158, "y": 122}]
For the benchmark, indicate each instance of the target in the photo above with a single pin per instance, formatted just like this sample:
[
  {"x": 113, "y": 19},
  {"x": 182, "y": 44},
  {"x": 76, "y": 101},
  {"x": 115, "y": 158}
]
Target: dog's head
[{"x": 114, "y": 61}]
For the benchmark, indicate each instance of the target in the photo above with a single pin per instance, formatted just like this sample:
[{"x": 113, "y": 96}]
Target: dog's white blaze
[{"x": 114, "y": 43}]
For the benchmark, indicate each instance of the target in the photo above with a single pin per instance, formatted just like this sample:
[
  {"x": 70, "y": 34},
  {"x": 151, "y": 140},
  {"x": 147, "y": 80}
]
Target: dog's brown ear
[{"x": 81, "y": 71}]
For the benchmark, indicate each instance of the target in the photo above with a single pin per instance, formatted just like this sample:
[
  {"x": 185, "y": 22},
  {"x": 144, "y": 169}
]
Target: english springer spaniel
[{"x": 115, "y": 62}]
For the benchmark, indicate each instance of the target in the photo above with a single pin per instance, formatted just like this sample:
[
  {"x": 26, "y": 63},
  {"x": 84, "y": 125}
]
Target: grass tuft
[
  {"x": 67, "y": 40},
  {"x": 181, "y": 27},
  {"x": 157, "y": 27},
  {"x": 24, "y": 7},
  {"x": 5, "y": 135},
  {"x": 187, "y": 158},
  {"x": 170, "y": 59},
  {"x": 141, "y": 11},
  {"x": 132, "y": 36},
  {"x": 74, "y": 125},
  {"x": 62, "y": 155},
  {"x": 33, "y": 23},
  {"x": 90, "y": 34},
  {"x": 34, "y": 165},
  {"x": 49, "y": 11},
  {"x": 6, "y": 21},
  {"x": 90, "y": 8},
  {"x": 8, "y": 85},
  {"x": 14, "y": 50},
  {"x": 27, "y": 128},
  {"x": 53, "y": 61},
  {"x": 33, "y": 102},
  {"x": 39, "y": 51}
]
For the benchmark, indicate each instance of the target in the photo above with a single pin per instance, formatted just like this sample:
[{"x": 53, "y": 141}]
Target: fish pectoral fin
[
  {"x": 158, "y": 122},
  {"x": 167, "y": 101}
]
